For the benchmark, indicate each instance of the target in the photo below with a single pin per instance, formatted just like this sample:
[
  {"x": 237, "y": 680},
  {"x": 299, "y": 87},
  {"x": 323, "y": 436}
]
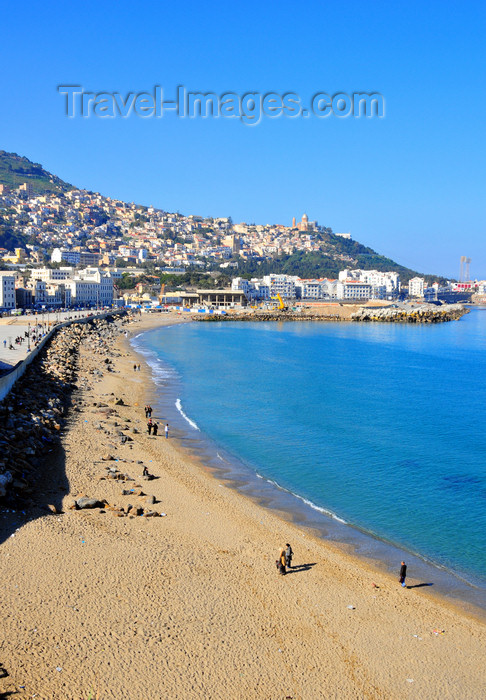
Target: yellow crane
[{"x": 281, "y": 305}]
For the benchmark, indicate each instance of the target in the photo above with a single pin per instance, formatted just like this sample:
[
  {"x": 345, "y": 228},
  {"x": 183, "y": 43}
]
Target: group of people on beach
[
  {"x": 284, "y": 560},
  {"x": 153, "y": 426}
]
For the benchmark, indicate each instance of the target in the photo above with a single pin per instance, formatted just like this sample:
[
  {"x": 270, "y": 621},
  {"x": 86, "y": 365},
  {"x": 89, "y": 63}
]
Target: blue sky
[{"x": 410, "y": 185}]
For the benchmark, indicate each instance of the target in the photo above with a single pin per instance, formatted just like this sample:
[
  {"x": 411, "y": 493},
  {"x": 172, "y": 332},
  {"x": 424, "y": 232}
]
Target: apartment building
[
  {"x": 281, "y": 284},
  {"x": 416, "y": 287},
  {"x": 7, "y": 290},
  {"x": 354, "y": 290}
]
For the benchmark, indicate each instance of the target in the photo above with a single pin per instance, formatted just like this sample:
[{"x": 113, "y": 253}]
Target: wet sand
[{"x": 190, "y": 605}]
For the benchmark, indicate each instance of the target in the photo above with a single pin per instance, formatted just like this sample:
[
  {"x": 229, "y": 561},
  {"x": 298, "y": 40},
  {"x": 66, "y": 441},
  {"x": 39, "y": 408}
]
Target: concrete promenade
[{"x": 39, "y": 323}]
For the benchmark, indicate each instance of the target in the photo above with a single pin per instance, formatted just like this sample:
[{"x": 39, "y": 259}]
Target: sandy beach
[{"x": 101, "y": 603}]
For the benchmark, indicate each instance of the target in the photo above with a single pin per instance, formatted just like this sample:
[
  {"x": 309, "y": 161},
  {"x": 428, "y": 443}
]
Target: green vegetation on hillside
[
  {"x": 15, "y": 170},
  {"x": 325, "y": 264}
]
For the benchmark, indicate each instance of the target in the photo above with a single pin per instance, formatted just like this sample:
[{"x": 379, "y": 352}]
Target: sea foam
[{"x": 191, "y": 422}]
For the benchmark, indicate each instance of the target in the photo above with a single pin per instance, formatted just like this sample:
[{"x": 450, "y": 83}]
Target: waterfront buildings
[
  {"x": 382, "y": 284},
  {"x": 352, "y": 285},
  {"x": 67, "y": 287}
]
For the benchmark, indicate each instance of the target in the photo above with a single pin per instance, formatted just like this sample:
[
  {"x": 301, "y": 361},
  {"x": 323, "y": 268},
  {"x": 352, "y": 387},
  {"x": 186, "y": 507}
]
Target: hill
[
  {"x": 336, "y": 254},
  {"x": 15, "y": 170}
]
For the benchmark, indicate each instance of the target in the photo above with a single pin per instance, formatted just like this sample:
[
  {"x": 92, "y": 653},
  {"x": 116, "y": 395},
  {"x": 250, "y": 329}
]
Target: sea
[{"x": 371, "y": 434}]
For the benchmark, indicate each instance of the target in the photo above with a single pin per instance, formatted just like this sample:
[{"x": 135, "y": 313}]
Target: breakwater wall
[
  {"x": 272, "y": 316},
  {"x": 423, "y": 313},
  {"x": 34, "y": 410},
  {"x": 403, "y": 313}
]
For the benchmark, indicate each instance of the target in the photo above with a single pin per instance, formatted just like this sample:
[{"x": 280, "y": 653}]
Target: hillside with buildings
[
  {"x": 17, "y": 171},
  {"x": 60, "y": 242}
]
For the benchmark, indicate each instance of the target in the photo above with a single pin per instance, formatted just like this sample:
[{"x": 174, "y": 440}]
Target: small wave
[
  {"x": 312, "y": 505},
  {"x": 179, "y": 408}
]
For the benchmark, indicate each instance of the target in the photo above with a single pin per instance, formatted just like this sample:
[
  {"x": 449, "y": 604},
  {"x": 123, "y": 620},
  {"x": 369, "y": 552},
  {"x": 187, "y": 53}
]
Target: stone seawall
[{"x": 34, "y": 411}]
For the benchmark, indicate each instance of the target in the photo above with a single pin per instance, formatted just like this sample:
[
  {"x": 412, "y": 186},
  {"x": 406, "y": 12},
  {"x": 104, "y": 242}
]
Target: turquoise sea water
[{"x": 381, "y": 425}]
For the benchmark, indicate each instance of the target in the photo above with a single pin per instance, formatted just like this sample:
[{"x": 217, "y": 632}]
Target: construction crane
[{"x": 281, "y": 305}]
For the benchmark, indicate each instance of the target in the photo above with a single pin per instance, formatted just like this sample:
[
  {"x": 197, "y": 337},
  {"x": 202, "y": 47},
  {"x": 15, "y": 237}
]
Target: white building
[
  {"x": 344, "y": 235},
  {"x": 72, "y": 257},
  {"x": 354, "y": 290},
  {"x": 254, "y": 290},
  {"x": 66, "y": 287},
  {"x": 281, "y": 284},
  {"x": 47, "y": 275},
  {"x": 7, "y": 290},
  {"x": 312, "y": 288},
  {"x": 416, "y": 287},
  {"x": 101, "y": 295},
  {"x": 389, "y": 280}
]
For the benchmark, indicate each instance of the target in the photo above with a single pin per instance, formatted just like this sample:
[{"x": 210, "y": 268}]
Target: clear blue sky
[{"x": 411, "y": 185}]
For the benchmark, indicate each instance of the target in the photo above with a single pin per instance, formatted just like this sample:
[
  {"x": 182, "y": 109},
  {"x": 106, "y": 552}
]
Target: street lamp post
[{"x": 28, "y": 337}]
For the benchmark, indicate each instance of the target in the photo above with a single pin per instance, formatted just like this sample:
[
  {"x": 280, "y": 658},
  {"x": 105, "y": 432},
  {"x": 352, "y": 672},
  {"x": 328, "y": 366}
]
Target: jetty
[{"x": 400, "y": 312}]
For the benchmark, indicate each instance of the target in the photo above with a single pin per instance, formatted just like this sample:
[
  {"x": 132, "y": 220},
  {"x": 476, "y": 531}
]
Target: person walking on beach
[
  {"x": 155, "y": 428},
  {"x": 403, "y": 574},
  {"x": 288, "y": 556},
  {"x": 146, "y": 412},
  {"x": 166, "y": 430},
  {"x": 149, "y": 411},
  {"x": 149, "y": 426},
  {"x": 281, "y": 563},
  {"x": 134, "y": 368}
]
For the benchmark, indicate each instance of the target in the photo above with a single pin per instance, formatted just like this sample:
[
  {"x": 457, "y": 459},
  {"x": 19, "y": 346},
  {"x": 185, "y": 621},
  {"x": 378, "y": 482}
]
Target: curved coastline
[{"x": 452, "y": 586}]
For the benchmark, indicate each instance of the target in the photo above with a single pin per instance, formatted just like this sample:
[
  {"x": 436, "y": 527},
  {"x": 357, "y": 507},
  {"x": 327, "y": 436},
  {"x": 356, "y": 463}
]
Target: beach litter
[
  {"x": 437, "y": 632},
  {"x": 351, "y": 607}
]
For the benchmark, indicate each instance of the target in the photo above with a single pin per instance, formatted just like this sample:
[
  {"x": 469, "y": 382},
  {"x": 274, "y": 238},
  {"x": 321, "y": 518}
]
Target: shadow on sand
[
  {"x": 419, "y": 585},
  {"x": 48, "y": 485},
  {"x": 34, "y": 455},
  {"x": 301, "y": 567}
]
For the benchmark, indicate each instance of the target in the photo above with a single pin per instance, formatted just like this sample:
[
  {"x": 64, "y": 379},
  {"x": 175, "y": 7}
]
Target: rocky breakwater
[
  {"x": 266, "y": 316},
  {"x": 33, "y": 414},
  {"x": 410, "y": 313}
]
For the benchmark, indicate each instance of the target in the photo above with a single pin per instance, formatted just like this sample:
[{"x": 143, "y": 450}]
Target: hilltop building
[{"x": 304, "y": 224}]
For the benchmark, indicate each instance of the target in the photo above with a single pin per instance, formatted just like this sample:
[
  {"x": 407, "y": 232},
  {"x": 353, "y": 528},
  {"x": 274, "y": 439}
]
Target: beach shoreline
[
  {"x": 451, "y": 586},
  {"x": 190, "y": 604}
]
